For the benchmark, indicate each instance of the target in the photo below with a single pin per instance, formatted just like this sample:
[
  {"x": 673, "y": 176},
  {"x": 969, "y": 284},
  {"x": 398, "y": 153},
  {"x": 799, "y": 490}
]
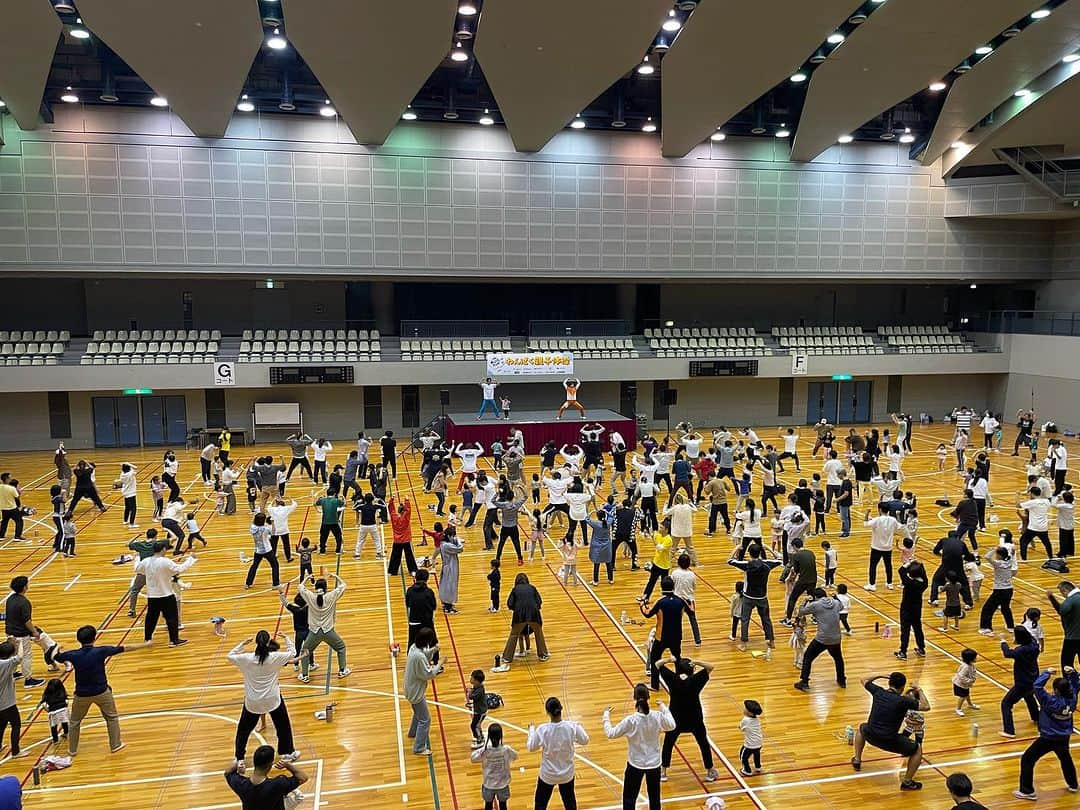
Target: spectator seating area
[
  {"x": 139, "y": 352},
  {"x": 826, "y": 340},
  {"x": 451, "y": 348},
  {"x": 32, "y": 347},
  {"x": 732, "y": 341},
  {"x": 586, "y": 347},
  {"x": 310, "y": 346}
]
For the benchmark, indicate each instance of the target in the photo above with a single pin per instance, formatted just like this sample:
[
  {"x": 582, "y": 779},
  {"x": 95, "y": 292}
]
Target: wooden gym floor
[{"x": 179, "y": 707}]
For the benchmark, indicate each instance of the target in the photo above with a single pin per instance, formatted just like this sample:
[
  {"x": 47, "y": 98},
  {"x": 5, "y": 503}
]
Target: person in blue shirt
[
  {"x": 10, "y": 793},
  {"x": 1056, "y": 710},
  {"x": 1025, "y": 658},
  {"x": 669, "y": 627},
  {"x": 683, "y": 473}
]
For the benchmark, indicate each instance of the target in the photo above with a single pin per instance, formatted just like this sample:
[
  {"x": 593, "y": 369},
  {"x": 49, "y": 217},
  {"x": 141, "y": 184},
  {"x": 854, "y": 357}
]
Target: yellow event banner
[{"x": 510, "y": 364}]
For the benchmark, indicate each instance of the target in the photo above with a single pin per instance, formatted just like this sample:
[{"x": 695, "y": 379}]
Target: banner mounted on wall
[{"x": 520, "y": 364}]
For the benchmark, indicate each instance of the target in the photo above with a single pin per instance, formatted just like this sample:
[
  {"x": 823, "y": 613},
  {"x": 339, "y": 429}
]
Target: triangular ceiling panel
[{"x": 28, "y": 39}]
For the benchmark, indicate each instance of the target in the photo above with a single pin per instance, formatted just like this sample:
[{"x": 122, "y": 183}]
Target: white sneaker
[
  {"x": 501, "y": 668},
  {"x": 302, "y": 678},
  {"x": 1029, "y": 796},
  {"x": 295, "y": 755},
  {"x": 890, "y": 586},
  {"x": 985, "y": 632},
  {"x": 869, "y": 587},
  {"x": 344, "y": 673},
  {"x": 960, "y": 713}
]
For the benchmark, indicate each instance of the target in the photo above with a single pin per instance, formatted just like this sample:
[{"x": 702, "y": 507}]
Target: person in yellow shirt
[
  {"x": 661, "y": 561},
  {"x": 224, "y": 443},
  {"x": 10, "y": 509}
]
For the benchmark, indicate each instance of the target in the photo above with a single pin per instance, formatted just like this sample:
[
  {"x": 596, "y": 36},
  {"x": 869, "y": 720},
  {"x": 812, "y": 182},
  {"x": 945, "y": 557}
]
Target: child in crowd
[
  {"x": 777, "y": 525},
  {"x": 819, "y": 512},
  {"x": 436, "y": 533},
  {"x": 537, "y": 538},
  {"x": 907, "y": 551},
  {"x": 599, "y": 475},
  {"x": 914, "y": 720},
  {"x": 569, "y": 548},
  {"x": 494, "y": 579},
  {"x": 964, "y": 679},
  {"x": 54, "y": 700},
  {"x": 495, "y": 760},
  {"x": 452, "y": 519},
  {"x": 942, "y": 455},
  {"x": 744, "y": 491},
  {"x": 736, "y": 609},
  {"x": 750, "y": 726},
  {"x": 299, "y": 610},
  {"x": 798, "y": 637},
  {"x": 178, "y": 588},
  {"x": 535, "y": 488},
  {"x": 953, "y": 609},
  {"x": 1033, "y": 446},
  {"x": 68, "y": 526},
  {"x": 505, "y": 403},
  {"x": 194, "y": 532},
  {"x": 1031, "y": 623},
  {"x": 477, "y": 701},
  {"x": 303, "y": 553},
  {"x": 974, "y": 575},
  {"x": 832, "y": 561},
  {"x": 252, "y": 488},
  {"x": 157, "y": 492},
  {"x": 911, "y": 527},
  {"x": 845, "y": 606},
  {"x": 497, "y": 451}
]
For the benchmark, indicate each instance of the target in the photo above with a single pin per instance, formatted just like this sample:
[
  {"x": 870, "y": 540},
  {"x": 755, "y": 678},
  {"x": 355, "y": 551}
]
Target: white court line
[
  {"x": 394, "y": 677},
  {"x": 76, "y": 579}
]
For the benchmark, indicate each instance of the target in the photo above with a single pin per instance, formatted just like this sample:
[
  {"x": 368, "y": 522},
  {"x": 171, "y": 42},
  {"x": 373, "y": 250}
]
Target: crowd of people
[{"x": 599, "y": 497}]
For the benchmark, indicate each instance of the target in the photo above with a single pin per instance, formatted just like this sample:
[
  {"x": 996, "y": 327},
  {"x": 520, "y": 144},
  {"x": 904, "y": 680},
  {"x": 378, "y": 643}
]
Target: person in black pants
[
  {"x": 643, "y": 731},
  {"x": 716, "y": 490},
  {"x": 669, "y": 636},
  {"x": 1025, "y": 658},
  {"x": 826, "y": 611},
  {"x": 1055, "y": 728},
  {"x": 914, "y": 584},
  {"x": 625, "y": 531},
  {"x": 952, "y": 550},
  {"x": 85, "y": 488},
  {"x": 684, "y": 685},
  {"x": 389, "y": 452},
  {"x": 803, "y": 567},
  {"x": 966, "y": 515},
  {"x": 420, "y": 604},
  {"x": 1000, "y": 597},
  {"x": 56, "y": 495},
  {"x": 1069, "y": 611},
  {"x": 160, "y": 600}
]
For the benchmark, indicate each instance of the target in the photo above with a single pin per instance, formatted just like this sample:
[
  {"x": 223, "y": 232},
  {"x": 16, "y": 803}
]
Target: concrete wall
[{"x": 1046, "y": 368}]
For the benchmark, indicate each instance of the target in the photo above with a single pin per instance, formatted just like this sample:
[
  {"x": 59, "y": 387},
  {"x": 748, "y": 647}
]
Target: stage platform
[{"x": 538, "y": 427}]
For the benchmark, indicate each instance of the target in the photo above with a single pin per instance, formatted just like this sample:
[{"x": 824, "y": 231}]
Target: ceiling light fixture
[
  {"x": 1072, "y": 57},
  {"x": 835, "y": 39},
  {"x": 649, "y": 126},
  {"x": 973, "y": 286},
  {"x": 409, "y": 114},
  {"x": 459, "y": 54},
  {"x": 1022, "y": 92},
  {"x": 578, "y": 122},
  {"x": 326, "y": 110},
  {"x": 783, "y": 132},
  {"x": 937, "y": 87},
  {"x": 245, "y": 105},
  {"x": 2, "y": 104},
  {"x": 78, "y": 31},
  {"x": 467, "y": 10},
  {"x": 672, "y": 22},
  {"x": 845, "y": 139},
  {"x": 159, "y": 101},
  {"x": 70, "y": 96},
  {"x": 1010, "y": 32},
  {"x": 645, "y": 68},
  {"x": 798, "y": 78},
  {"x": 63, "y": 6},
  {"x": 276, "y": 42},
  {"x": 717, "y": 136},
  {"x": 857, "y": 19},
  {"x": 1040, "y": 14},
  {"x": 486, "y": 120},
  {"x": 907, "y": 137},
  {"x": 983, "y": 50}
]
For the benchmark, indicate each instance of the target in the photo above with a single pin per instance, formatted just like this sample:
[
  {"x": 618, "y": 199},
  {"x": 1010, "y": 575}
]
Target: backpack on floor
[
  {"x": 942, "y": 502},
  {"x": 1057, "y": 565},
  {"x": 494, "y": 700}
]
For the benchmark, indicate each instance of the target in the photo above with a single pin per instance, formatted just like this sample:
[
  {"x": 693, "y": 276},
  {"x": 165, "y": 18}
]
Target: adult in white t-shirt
[
  {"x": 468, "y": 456},
  {"x": 831, "y": 470},
  {"x": 1058, "y": 456},
  {"x": 128, "y": 488},
  {"x": 488, "y": 386},
  {"x": 882, "y": 530},
  {"x": 555, "y": 740},
  {"x": 262, "y": 692},
  {"x": 989, "y": 424},
  {"x": 1038, "y": 523},
  {"x": 320, "y": 448}
]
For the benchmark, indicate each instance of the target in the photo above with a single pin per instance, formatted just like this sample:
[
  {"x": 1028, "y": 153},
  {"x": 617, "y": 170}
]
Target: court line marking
[
  {"x": 394, "y": 678},
  {"x": 76, "y": 579}
]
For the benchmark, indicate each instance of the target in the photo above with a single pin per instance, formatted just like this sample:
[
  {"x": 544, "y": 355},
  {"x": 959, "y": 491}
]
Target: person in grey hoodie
[
  {"x": 299, "y": 444},
  {"x": 508, "y": 507},
  {"x": 352, "y": 468},
  {"x": 419, "y": 669},
  {"x": 826, "y": 611}
]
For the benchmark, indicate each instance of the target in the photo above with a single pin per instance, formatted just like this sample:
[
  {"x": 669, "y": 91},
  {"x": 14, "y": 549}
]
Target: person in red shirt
[
  {"x": 703, "y": 467},
  {"x": 401, "y": 522}
]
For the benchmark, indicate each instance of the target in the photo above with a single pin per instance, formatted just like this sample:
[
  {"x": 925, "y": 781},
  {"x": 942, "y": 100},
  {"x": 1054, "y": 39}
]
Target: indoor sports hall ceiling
[{"x": 952, "y": 79}]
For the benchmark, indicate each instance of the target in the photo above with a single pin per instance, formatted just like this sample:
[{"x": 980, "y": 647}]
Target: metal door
[{"x": 821, "y": 401}]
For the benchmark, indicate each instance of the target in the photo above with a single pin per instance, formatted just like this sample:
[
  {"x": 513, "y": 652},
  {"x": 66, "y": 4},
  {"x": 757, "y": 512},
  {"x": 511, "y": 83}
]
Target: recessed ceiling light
[
  {"x": 70, "y": 96},
  {"x": 79, "y": 33},
  {"x": 649, "y": 126},
  {"x": 983, "y": 50},
  {"x": 959, "y": 145},
  {"x": 159, "y": 101},
  {"x": 1040, "y": 14},
  {"x": 937, "y": 87},
  {"x": 835, "y": 39},
  {"x": 757, "y": 130},
  {"x": 1023, "y": 91},
  {"x": 907, "y": 137},
  {"x": 798, "y": 77},
  {"x": 645, "y": 68},
  {"x": 578, "y": 122},
  {"x": 2, "y": 104},
  {"x": 845, "y": 139},
  {"x": 717, "y": 136},
  {"x": 245, "y": 105},
  {"x": 877, "y": 2},
  {"x": 1010, "y": 32},
  {"x": 409, "y": 115},
  {"x": 466, "y": 10},
  {"x": 326, "y": 110},
  {"x": 783, "y": 132},
  {"x": 857, "y": 19},
  {"x": 973, "y": 286},
  {"x": 1072, "y": 57},
  {"x": 459, "y": 54},
  {"x": 63, "y": 6},
  {"x": 887, "y": 135},
  {"x": 486, "y": 120},
  {"x": 277, "y": 42},
  {"x": 672, "y": 22}
]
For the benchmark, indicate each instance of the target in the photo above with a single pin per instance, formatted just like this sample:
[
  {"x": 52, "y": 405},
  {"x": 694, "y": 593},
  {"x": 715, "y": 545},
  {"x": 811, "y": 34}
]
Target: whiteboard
[{"x": 277, "y": 413}]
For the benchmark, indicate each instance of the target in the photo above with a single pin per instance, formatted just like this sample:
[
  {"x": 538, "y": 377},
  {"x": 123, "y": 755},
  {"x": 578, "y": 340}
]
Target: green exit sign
[
  {"x": 841, "y": 376},
  {"x": 132, "y": 392}
]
